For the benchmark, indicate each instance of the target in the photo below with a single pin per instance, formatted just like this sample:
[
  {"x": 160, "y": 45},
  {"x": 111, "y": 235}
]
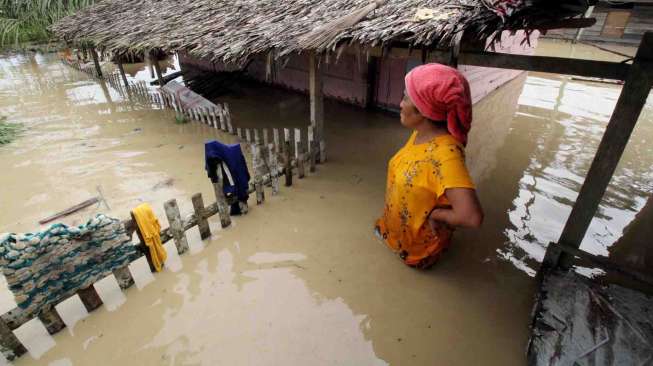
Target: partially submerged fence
[{"x": 275, "y": 154}]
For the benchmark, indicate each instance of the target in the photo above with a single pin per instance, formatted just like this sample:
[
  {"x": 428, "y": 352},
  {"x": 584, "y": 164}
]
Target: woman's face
[{"x": 410, "y": 116}]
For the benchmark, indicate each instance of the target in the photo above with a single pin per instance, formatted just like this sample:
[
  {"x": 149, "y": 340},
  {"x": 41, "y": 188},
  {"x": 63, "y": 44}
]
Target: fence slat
[
  {"x": 202, "y": 223},
  {"x": 273, "y": 164},
  {"x": 258, "y": 180},
  {"x": 123, "y": 277},
  {"x": 288, "y": 164},
  {"x": 90, "y": 298},
  {"x": 9, "y": 343},
  {"x": 176, "y": 228},
  {"x": 221, "y": 201},
  {"x": 51, "y": 320}
]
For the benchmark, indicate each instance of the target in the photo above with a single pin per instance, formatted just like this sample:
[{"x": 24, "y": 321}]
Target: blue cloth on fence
[{"x": 232, "y": 156}]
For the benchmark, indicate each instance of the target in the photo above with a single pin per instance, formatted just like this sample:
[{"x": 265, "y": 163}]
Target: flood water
[{"x": 301, "y": 279}]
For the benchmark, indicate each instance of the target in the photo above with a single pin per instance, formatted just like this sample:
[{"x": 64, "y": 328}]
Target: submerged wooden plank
[{"x": 578, "y": 322}]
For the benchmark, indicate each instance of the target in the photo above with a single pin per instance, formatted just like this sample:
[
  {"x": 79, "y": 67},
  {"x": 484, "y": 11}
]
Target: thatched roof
[{"x": 234, "y": 30}]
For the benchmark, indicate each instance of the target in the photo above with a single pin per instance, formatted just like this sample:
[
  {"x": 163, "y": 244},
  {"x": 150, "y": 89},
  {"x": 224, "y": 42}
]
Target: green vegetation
[
  {"x": 8, "y": 131},
  {"x": 24, "y": 21}
]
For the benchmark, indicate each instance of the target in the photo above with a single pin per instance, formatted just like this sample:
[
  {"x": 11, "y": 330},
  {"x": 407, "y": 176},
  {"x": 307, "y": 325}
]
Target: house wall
[
  {"x": 613, "y": 24},
  {"x": 346, "y": 78}
]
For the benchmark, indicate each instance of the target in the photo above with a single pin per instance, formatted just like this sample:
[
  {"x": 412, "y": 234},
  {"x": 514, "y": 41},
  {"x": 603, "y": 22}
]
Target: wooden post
[
  {"x": 96, "y": 62},
  {"x": 90, "y": 298},
  {"x": 312, "y": 149},
  {"x": 624, "y": 117},
  {"x": 258, "y": 179},
  {"x": 286, "y": 140},
  {"x": 148, "y": 61},
  {"x": 223, "y": 125},
  {"x": 51, "y": 320},
  {"x": 159, "y": 74},
  {"x": 123, "y": 76},
  {"x": 176, "y": 227},
  {"x": 274, "y": 171},
  {"x": 257, "y": 138},
  {"x": 275, "y": 138},
  {"x": 297, "y": 141},
  {"x": 9, "y": 343},
  {"x": 323, "y": 156},
  {"x": 316, "y": 95},
  {"x": 200, "y": 214},
  {"x": 123, "y": 277},
  {"x": 266, "y": 139},
  {"x": 301, "y": 170},
  {"x": 227, "y": 113},
  {"x": 221, "y": 201},
  {"x": 288, "y": 164},
  {"x": 248, "y": 135},
  {"x": 372, "y": 83},
  {"x": 239, "y": 133}
]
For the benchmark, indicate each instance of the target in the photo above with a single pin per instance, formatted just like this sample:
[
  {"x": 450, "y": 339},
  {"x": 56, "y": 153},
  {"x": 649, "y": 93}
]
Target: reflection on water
[{"x": 565, "y": 120}]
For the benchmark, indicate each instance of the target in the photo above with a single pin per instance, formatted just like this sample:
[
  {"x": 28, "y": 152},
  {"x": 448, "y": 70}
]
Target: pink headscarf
[{"x": 441, "y": 93}]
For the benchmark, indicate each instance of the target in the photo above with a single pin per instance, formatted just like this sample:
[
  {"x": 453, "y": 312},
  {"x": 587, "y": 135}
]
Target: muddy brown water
[{"x": 301, "y": 279}]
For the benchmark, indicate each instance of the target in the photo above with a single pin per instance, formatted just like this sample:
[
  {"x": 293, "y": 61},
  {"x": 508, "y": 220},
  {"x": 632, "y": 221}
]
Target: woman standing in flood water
[{"x": 429, "y": 191}]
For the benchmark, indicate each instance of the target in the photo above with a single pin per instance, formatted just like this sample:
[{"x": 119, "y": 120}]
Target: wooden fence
[{"x": 275, "y": 154}]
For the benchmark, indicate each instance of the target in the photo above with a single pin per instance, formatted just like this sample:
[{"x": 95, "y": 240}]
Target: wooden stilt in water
[
  {"x": 96, "y": 62},
  {"x": 258, "y": 179},
  {"x": 323, "y": 156},
  {"x": 257, "y": 138},
  {"x": 200, "y": 214},
  {"x": 176, "y": 228},
  {"x": 288, "y": 164},
  {"x": 312, "y": 150},
  {"x": 248, "y": 135},
  {"x": 275, "y": 138},
  {"x": 159, "y": 74},
  {"x": 90, "y": 298},
  {"x": 316, "y": 96},
  {"x": 301, "y": 172},
  {"x": 51, "y": 320},
  {"x": 121, "y": 70},
  {"x": 274, "y": 169},
  {"x": 266, "y": 140},
  {"x": 221, "y": 201},
  {"x": 286, "y": 140},
  {"x": 9, "y": 343},
  {"x": 297, "y": 142}
]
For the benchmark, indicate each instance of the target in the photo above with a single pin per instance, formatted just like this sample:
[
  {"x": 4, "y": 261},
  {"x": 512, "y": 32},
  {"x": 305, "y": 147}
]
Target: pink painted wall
[{"x": 346, "y": 79}]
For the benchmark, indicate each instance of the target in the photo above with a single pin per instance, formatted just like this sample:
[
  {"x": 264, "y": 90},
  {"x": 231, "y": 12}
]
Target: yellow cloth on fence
[{"x": 149, "y": 227}]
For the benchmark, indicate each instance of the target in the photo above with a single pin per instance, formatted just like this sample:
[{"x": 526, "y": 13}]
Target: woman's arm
[{"x": 465, "y": 209}]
